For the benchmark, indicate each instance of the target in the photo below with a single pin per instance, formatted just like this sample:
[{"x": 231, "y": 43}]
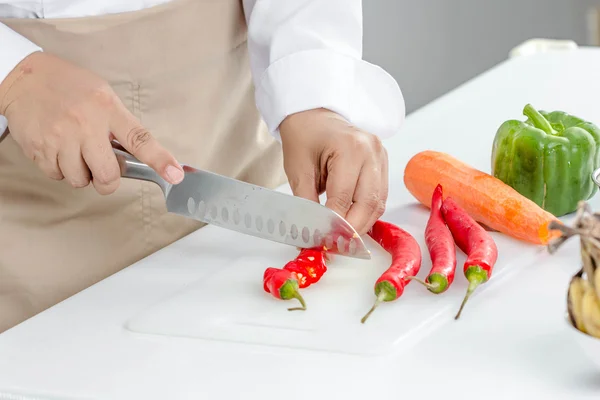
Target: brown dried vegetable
[{"x": 583, "y": 296}]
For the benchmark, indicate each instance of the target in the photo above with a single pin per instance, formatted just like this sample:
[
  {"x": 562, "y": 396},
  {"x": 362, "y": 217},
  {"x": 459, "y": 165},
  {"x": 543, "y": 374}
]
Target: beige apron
[{"x": 182, "y": 68}]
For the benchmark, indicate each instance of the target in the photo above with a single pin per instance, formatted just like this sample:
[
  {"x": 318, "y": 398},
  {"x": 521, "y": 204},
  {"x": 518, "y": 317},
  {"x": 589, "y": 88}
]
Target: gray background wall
[{"x": 432, "y": 46}]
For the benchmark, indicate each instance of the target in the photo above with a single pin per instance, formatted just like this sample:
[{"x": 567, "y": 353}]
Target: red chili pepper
[
  {"x": 301, "y": 274},
  {"x": 309, "y": 266},
  {"x": 406, "y": 262},
  {"x": 441, "y": 248},
  {"x": 283, "y": 284},
  {"x": 475, "y": 242}
]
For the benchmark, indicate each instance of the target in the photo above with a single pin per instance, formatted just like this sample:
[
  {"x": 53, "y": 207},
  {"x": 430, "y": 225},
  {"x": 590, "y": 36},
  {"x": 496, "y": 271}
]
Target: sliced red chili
[
  {"x": 309, "y": 265},
  {"x": 307, "y": 268},
  {"x": 283, "y": 284},
  {"x": 301, "y": 274}
]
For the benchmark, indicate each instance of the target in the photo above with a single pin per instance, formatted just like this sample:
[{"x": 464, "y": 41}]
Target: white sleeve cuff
[
  {"x": 13, "y": 50},
  {"x": 362, "y": 93}
]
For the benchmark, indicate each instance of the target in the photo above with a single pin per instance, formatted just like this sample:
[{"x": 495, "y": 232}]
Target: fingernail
[{"x": 174, "y": 174}]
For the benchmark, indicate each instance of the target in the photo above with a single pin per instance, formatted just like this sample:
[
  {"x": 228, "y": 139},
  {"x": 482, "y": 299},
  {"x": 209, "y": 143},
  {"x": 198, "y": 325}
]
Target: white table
[{"x": 512, "y": 339}]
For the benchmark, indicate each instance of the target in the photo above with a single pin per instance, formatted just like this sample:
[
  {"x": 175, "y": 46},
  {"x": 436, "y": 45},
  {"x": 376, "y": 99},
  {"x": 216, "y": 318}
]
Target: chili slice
[
  {"x": 475, "y": 242},
  {"x": 406, "y": 262},
  {"x": 309, "y": 266},
  {"x": 441, "y": 248},
  {"x": 283, "y": 284}
]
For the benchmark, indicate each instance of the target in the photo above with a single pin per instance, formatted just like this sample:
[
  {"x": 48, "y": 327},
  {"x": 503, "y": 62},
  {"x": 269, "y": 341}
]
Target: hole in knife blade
[
  {"x": 352, "y": 247},
  {"x": 282, "y": 228},
  {"x": 236, "y": 217},
  {"x": 201, "y": 211},
  {"x": 259, "y": 223},
  {"x": 305, "y": 234},
  {"x": 270, "y": 226},
  {"x": 317, "y": 238},
  {"x": 341, "y": 243},
  {"x": 294, "y": 231},
  {"x": 248, "y": 221},
  {"x": 329, "y": 242},
  {"x": 191, "y": 205},
  {"x": 213, "y": 212},
  {"x": 225, "y": 214}
]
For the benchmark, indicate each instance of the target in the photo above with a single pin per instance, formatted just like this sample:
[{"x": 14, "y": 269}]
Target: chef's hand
[
  {"x": 325, "y": 153},
  {"x": 63, "y": 117}
]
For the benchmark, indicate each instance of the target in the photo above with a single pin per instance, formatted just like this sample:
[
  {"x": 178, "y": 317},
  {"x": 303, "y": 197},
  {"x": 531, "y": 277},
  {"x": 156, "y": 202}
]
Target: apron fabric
[{"x": 182, "y": 68}]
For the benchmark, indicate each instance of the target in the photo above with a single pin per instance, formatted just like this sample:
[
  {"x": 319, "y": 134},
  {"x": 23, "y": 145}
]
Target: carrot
[{"x": 486, "y": 199}]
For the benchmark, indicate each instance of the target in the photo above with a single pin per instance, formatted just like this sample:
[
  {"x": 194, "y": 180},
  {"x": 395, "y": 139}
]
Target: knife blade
[{"x": 250, "y": 209}]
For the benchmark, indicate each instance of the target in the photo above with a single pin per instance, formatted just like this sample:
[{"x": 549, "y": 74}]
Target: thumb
[{"x": 143, "y": 146}]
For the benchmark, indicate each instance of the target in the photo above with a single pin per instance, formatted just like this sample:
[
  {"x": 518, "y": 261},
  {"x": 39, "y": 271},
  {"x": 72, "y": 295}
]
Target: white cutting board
[{"x": 230, "y": 305}]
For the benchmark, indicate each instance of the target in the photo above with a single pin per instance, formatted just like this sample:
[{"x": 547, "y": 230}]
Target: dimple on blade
[
  {"x": 339, "y": 241},
  {"x": 263, "y": 213}
]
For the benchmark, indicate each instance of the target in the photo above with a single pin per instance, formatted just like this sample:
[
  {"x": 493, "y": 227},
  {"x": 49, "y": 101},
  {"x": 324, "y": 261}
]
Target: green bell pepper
[{"x": 549, "y": 158}]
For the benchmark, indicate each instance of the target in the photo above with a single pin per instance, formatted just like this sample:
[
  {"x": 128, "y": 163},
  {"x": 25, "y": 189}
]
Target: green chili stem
[
  {"x": 476, "y": 276},
  {"x": 378, "y": 301},
  {"x": 431, "y": 286},
  {"x": 302, "y": 303},
  {"x": 384, "y": 291}
]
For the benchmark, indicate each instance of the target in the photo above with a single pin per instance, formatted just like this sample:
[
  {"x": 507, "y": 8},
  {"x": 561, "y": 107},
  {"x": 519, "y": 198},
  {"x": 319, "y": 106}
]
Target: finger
[
  {"x": 304, "y": 184},
  {"x": 139, "y": 142},
  {"x": 385, "y": 177},
  {"x": 367, "y": 204},
  {"x": 383, "y": 193},
  {"x": 73, "y": 166},
  {"x": 342, "y": 178},
  {"x": 98, "y": 155},
  {"x": 47, "y": 161}
]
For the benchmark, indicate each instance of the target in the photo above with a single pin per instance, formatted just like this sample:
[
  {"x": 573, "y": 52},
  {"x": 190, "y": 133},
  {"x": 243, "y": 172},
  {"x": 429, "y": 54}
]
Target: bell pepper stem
[
  {"x": 476, "y": 276},
  {"x": 538, "y": 119}
]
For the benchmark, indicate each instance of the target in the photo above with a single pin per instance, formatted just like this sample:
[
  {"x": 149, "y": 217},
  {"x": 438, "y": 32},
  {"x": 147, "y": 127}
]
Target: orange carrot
[{"x": 487, "y": 199}]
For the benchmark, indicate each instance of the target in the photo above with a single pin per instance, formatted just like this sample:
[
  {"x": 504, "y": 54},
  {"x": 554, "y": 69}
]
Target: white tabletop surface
[{"x": 511, "y": 341}]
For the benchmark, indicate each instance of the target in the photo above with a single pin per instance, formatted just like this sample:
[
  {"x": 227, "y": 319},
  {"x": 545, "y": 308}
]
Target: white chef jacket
[{"x": 304, "y": 54}]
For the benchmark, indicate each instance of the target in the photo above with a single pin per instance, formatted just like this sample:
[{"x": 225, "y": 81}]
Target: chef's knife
[
  {"x": 249, "y": 209},
  {"x": 232, "y": 204}
]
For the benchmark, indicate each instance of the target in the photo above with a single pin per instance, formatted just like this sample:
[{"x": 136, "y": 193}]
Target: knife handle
[
  {"x": 130, "y": 166},
  {"x": 133, "y": 168}
]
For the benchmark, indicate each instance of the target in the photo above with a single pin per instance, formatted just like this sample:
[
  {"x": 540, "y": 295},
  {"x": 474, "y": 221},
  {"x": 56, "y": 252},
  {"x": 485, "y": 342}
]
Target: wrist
[
  {"x": 18, "y": 73},
  {"x": 316, "y": 119}
]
